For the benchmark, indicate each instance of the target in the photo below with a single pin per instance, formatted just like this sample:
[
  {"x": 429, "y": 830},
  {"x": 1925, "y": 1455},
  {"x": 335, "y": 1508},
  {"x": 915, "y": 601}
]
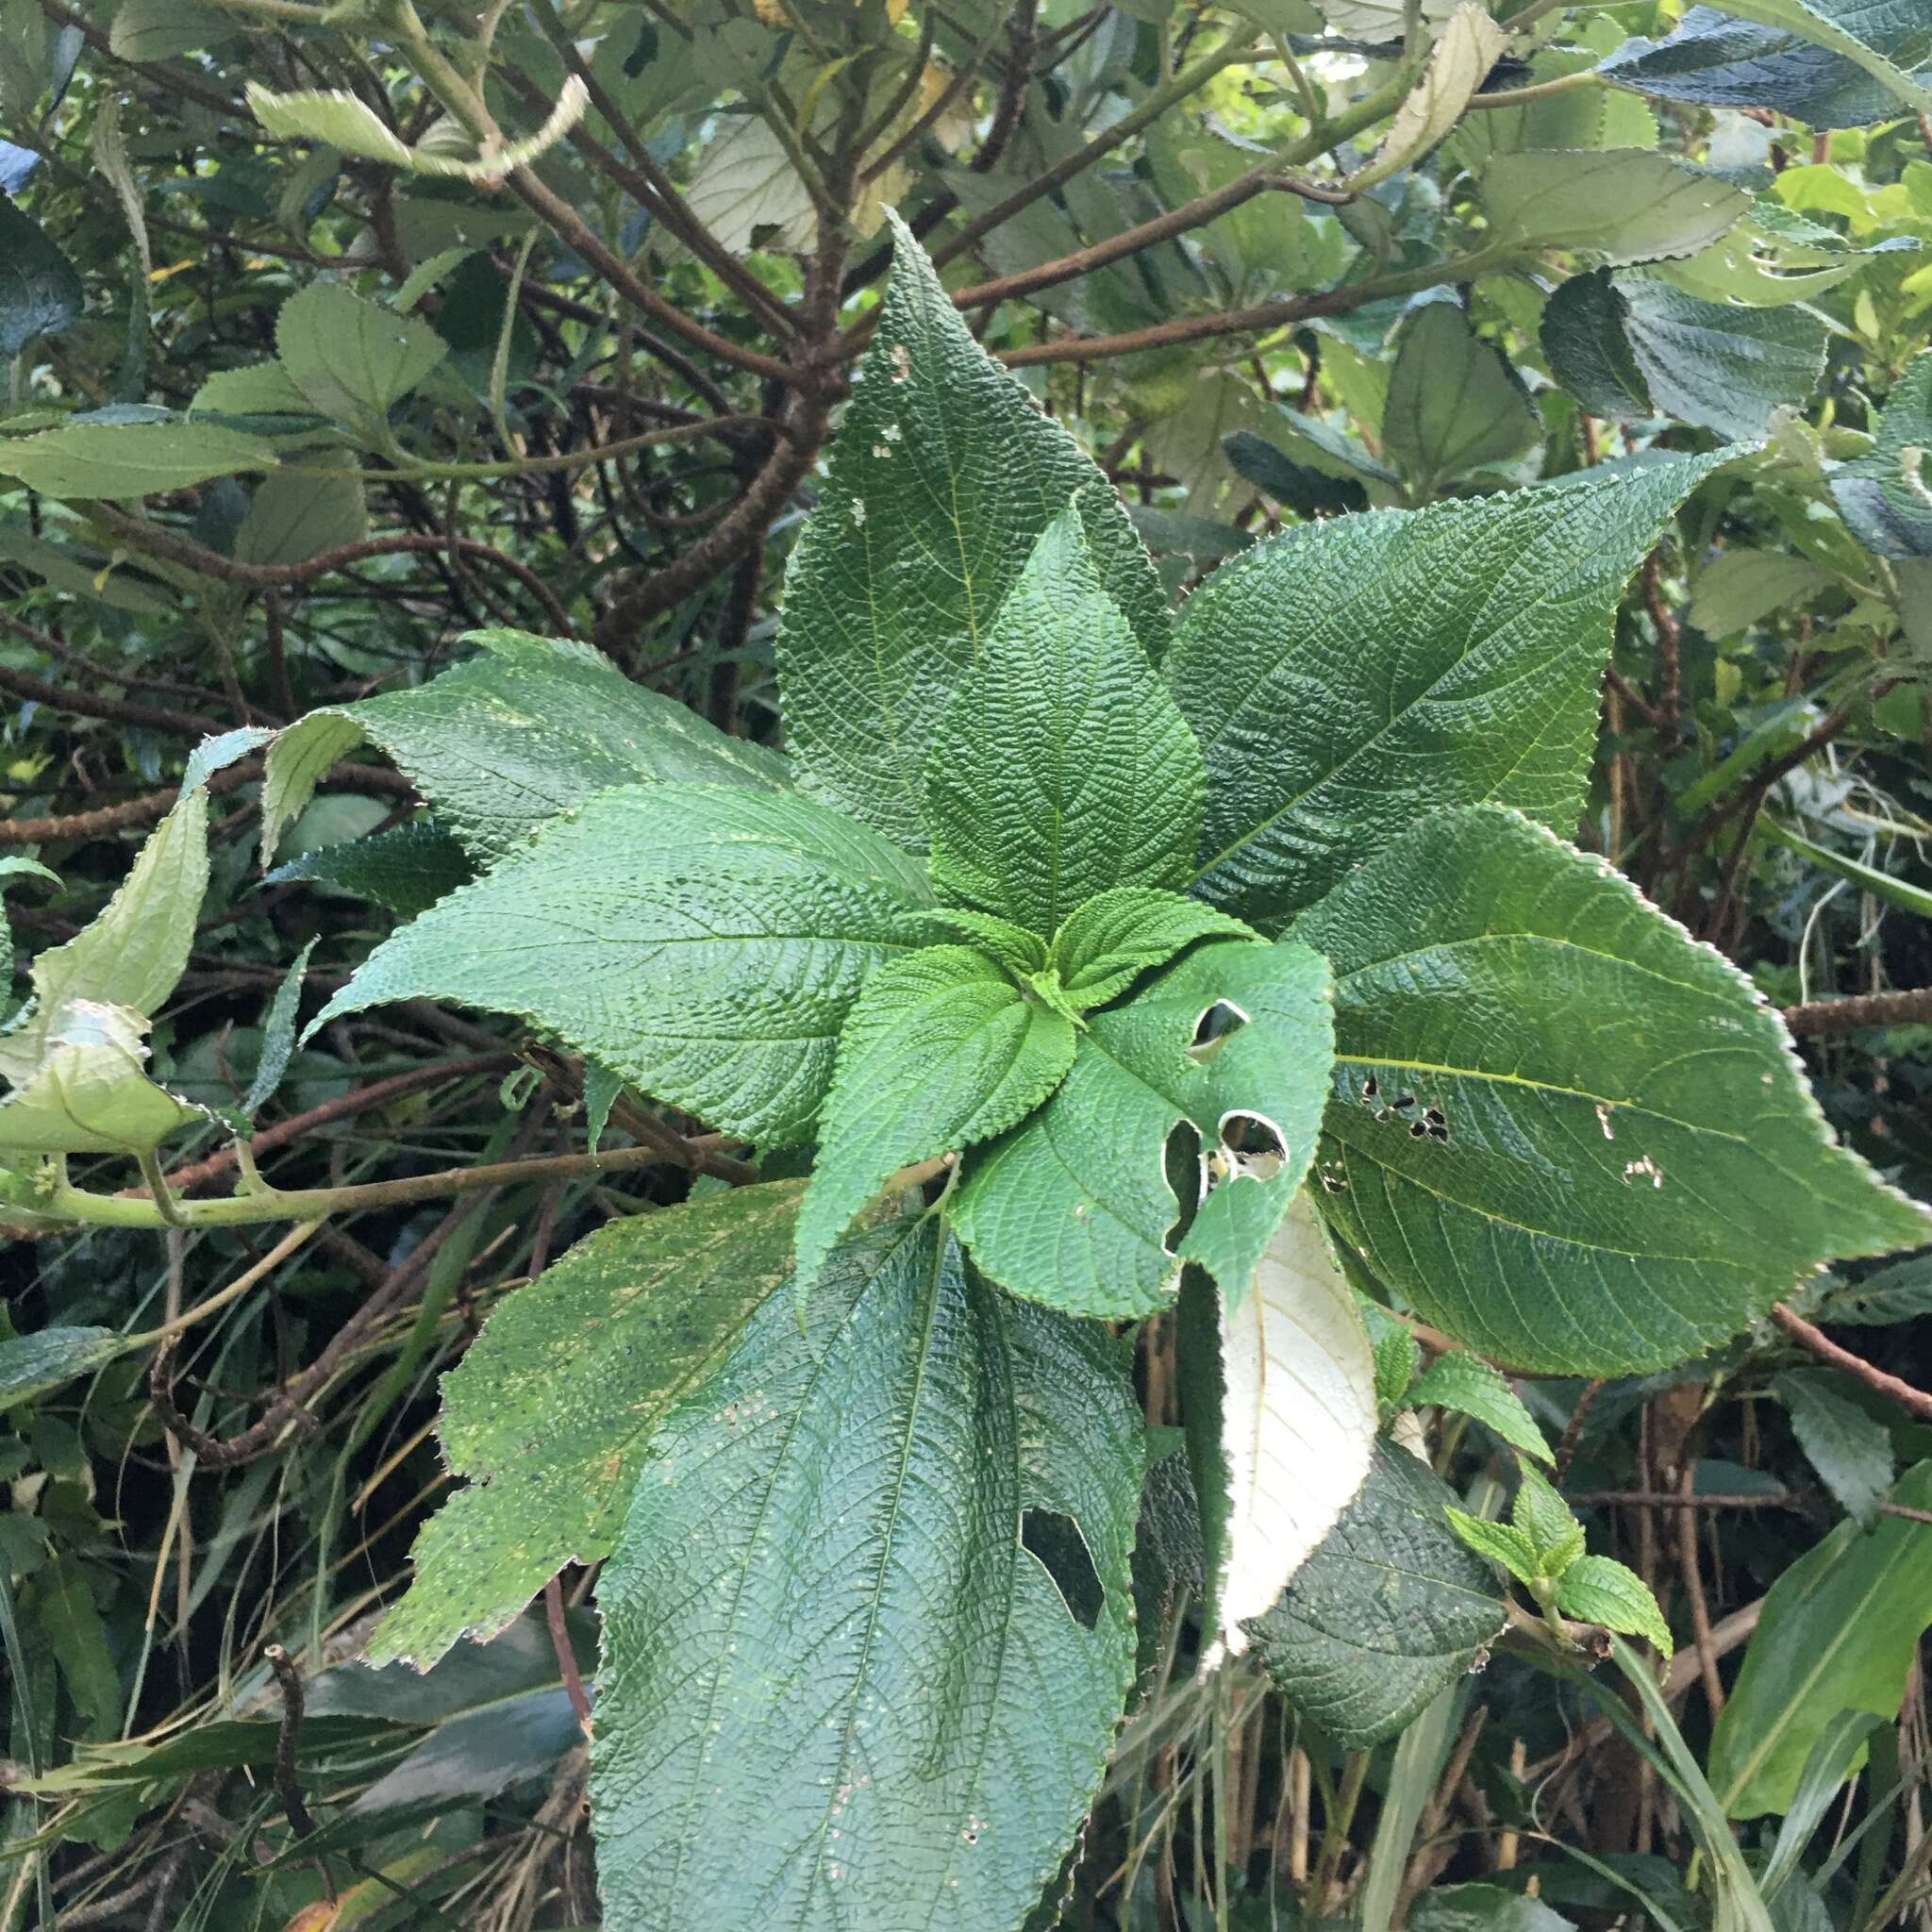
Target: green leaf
[
  {"x": 1455, "y": 403},
  {"x": 551, "y": 1410},
  {"x": 1902, "y": 1292},
  {"x": 1108, "y": 942},
  {"x": 298, "y": 513},
  {"x": 1278, "y": 1394},
  {"x": 1398, "y": 1355},
  {"x": 87, "y": 1093},
  {"x": 1883, "y": 496},
  {"x": 940, "y": 1052},
  {"x": 256, "y": 389},
  {"x": 1064, "y": 769},
  {"x": 1483, "y": 1908},
  {"x": 943, "y": 478},
  {"x": 1389, "y": 1611},
  {"x": 353, "y": 359},
  {"x": 1470, "y": 1386},
  {"x": 1839, "y": 1632},
  {"x": 1849, "y": 1448},
  {"x": 1616, "y": 205},
  {"x": 406, "y": 869},
  {"x": 1592, "y": 1199},
  {"x": 509, "y": 739},
  {"x": 278, "y": 1035},
  {"x": 869, "y": 1626},
  {"x": 1544, "y": 1518},
  {"x": 1500, "y": 1542},
  {"x": 1855, "y": 30},
  {"x": 1598, "y": 1589},
  {"x": 1738, "y": 588},
  {"x": 81, "y": 461},
  {"x": 1585, "y": 338},
  {"x": 1468, "y": 48},
  {"x": 338, "y": 119},
  {"x": 1348, "y": 676},
  {"x": 1021, "y": 953},
  {"x": 704, "y": 942},
  {"x": 1074, "y": 1208},
  {"x": 39, "y": 292},
  {"x": 32, "y": 1364},
  {"x": 78, "y": 1640},
  {"x": 158, "y": 29}
]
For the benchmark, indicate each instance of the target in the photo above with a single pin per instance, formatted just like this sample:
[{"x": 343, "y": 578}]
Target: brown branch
[
  {"x": 1693, "y": 1590},
  {"x": 288, "y": 1783},
  {"x": 1916, "y": 1401},
  {"x": 1670, "y": 666},
  {"x": 1833, "y": 1019},
  {"x": 1714, "y": 822},
  {"x": 566, "y": 1654},
  {"x": 1005, "y": 117},
  {"x": 113, "y": 711}
]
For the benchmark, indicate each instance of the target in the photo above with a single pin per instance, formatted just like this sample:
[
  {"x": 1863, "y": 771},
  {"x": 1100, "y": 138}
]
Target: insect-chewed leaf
[
  {"x": 1074, "y": 1208},
  {"x": 1590, "y": 1198},
  {"x": 868, "y": 1626},
  {"x": 551, "y": 1410},
  {"x": 515, "y": 736},
  {"x": 1278, "y": 1394},
  {"x": 943, "y": 476},
  {"x": 704, "y": 941},
  {"x": 1065, "y": 769}
]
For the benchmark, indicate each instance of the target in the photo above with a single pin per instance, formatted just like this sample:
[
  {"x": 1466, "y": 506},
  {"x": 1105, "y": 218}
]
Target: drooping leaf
[
  {"x": 82, "y": 461},
  {"x": 1849, "y": 1448},
  {"x": 942, "y": 479},
  {"x": 1074, "y": 1208},
  {"x": 1464, "y": 53},
  {"x": 511, "y": 739},
  {"x": 704, "y": 941},
  {"x": 352, "y": 358},
  {"x": 1064, "y": 769},
  {"x": 551, "y": 1410},
  {"x": 1593, "y": 1200},
  {"x": 1714, "y": 59},
  {"x": 1884, "y": 496},
  {"x": 839, "y": 1678},
  {"x": 39, "y": 292},
  {"x": 32, "y": 1364},
  {"x": 1469, "y": 1385},
  {"x": 1839, "y": 1632},
  {"x": 407, "y": 869},
  {"x": 1278, "y": 1394},
  {"x": 79, "y": 1638},
  {"x": 1455, "y": 403},
  {"x": 1389, "y": 1611},
  {"x": 90, "y": 1092},
  {"x": 1105, "y": 944},
  {"x": 1615, "y": 205},
  {"x": 1300, "y": 487},
  {"x": 1345, "y": 677},
  {"x": 940, "y": 1052}
]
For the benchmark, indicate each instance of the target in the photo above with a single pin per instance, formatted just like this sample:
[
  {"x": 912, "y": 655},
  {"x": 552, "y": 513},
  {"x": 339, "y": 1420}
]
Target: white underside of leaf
[{"x": 1298, "y": 1419}]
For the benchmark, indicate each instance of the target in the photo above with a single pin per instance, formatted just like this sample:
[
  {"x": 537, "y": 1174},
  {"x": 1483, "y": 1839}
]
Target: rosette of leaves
[{"x": 1108, "y": 963}]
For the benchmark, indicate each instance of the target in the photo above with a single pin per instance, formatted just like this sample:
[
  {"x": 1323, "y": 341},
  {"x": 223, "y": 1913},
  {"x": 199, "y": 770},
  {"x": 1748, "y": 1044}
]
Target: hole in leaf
[
  {"x": 1055, "y": 1541},
  {"x": 1252, "y": 1145},
  {"x": 1213, "y": 1027},
  {"x": 1181, "y": 1163}
]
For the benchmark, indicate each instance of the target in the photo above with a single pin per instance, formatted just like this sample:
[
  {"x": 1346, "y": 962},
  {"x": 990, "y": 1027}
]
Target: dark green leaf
[
  {"x": 1849, "y": 1448},
  {"x": 1483, "y": 1908},
  {"x": 1884, "y": 496},
  {"x": 39, "y": 292},
  {"x": 32, "y": 1364},
  {"x": 1455, "y": 403},
  {"x": 406, "y": 868}
]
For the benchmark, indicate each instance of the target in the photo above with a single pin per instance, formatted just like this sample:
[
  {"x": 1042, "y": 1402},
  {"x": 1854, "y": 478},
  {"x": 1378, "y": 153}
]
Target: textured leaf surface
[
  {"x": 517, "y": 735},
  {"x": 1618, "y": 205},
  {"x": 40, "y": 291},
  {"x": 704, "y": 942},
  {"x": 32, "y": 1364},
  {"x": 1470, "y": 1386},
  {"x": 82, "y": 461},
  {"x": 943, "y": 476},
  {"x": 1389, "y": 1611},
  {"x": 1599, "y": 1590},
  {"x": 1074, "y": 1208},
  {"x": 407, "y": 869},
  {"x": 1885, "y": 38},
  {"x": 1110, "y": 940},
  {"x": 1839, "y": 1632},
  {"x": 1465, "y": 52},
  {"x": 942, "y": 1051},
  {"x": 1850, "y": 1449},
  {"x": 549, "y": 1413},
  {"x": 1883, "y": 496},
  {"x": 838, "y": 1689},
  {"x": 1278, "y": 1392},
  {"x": 1064, "y": 769},
  {"x": 1345, "y": 677},
  {"x": 1455, "y": 403},
  {"x": 89, "y": 1093},
  {"x": 1599, "y": 1198}
]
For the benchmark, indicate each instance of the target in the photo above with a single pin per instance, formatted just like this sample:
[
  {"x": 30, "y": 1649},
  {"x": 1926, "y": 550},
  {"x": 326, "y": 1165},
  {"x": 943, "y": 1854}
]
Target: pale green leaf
[
  {"x": 39, "y": 292},
  {"x": 1348, "y": 676},
  {"x": 1500, "y": 1542},
  {"x": 1544, "y": 1518},
  {"x": 1398, "y": 1354},
  {"x": 745, "y": 192},
  {"x": 940, "y": 1052},
  {"x": 550, "y": 1412},
  {"x": 1599, "y": 1590},
  {"x": 256, "y": 389},
  {"x": 32, "y": 1364},
  {"x": 704, "y": 942},
  {"x": 1591, "y": 1199},
  {"x": 84, "y": 462},
  {"x": 298, "y": 513},
  {"x": 1840, "y": 1631},
  {"x": 1850, "y": 1448},
  {"x": 1389, "y": 1611},
  {"x": 331, "y": 116},
  {"x": 1467, "y": 49},
  {"x": 1278, "y": 1396},
  {"x": 1737, "y": 588},
  {"x": 353, "y": 359},
  {"x": 1470, "y": 1386},
  {"x": 89, "y": 1094},
  {"x": 278, "y": 1035},
  {"x": 158, "y": 29},
  {"x": 869, "y": 1624},
  {"x": 1616, "y": 205},
  {"x": 1108, "y": 942},
  {"x": 1076, "y": 1206},
  {"x": 942, "y": 478},
  {"x": 1483, "y": 1908},
  {"x": 1455, "y": 403},
  {"x": 1064, "y": 769},
  {"x": 509, "y": 739}
]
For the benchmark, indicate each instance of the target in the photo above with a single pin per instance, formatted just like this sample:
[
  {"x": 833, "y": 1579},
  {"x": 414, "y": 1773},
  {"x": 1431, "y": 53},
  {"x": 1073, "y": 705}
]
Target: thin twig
[
  {"x": 288, "y": 1782},
  {"x": 1916, "y": 1401},
  {"x": 566, "y": 1654}
]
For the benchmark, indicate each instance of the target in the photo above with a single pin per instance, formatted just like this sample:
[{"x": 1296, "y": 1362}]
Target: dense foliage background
[{"x": 539, "y": 315}]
